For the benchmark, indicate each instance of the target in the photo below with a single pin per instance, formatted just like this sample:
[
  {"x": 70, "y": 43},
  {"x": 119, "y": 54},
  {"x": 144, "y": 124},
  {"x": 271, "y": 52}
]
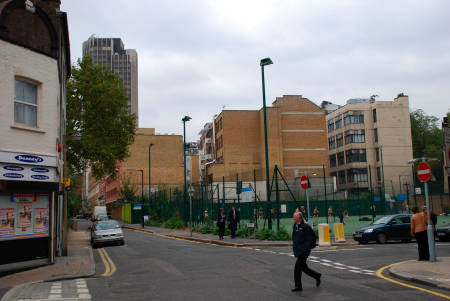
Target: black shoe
[
  {"x": 296, "y": 289},
  {"x": 318, "y": 281}
]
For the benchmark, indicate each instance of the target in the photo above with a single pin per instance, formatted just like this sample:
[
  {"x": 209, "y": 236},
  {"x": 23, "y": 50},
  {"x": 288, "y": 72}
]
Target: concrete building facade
[{"x": 369, "y": 145}]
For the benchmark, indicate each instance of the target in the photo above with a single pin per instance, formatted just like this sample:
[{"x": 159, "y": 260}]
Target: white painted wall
[{"x": 16, "y": 61}]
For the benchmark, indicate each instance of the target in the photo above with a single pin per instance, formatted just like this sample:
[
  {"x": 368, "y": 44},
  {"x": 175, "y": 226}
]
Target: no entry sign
[
  {"x": 424, "y": 172},
  {"x": 304, "y": 182}
]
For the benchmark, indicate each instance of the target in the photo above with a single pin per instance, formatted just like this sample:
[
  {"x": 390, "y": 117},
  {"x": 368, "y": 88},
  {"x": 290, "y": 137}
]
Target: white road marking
[
  {"x": 326, "y": 264},
  {"x": 356, "y": 271},
  {"x": 352, "y": 267},
  {"x": 339, "y": 268},
  {"x": 337, "y": 263},
  {"x": 326, "y": 260}
]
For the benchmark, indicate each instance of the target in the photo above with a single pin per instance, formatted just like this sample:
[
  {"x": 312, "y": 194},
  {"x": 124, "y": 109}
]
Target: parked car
[
  {"x": 443, "y": 233},
  {"x": 105, "y": 232},
  {"x": 391, "y": 227}
]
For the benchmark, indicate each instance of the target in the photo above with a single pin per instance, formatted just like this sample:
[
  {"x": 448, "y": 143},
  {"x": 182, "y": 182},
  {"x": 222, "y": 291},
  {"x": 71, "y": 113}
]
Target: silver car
[{"x": 109, "y": 231}]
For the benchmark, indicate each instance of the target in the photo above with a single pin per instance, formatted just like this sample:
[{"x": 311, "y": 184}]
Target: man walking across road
[
  {"x": 233, "y": 220},
  {"x": 302, "y": 238}
]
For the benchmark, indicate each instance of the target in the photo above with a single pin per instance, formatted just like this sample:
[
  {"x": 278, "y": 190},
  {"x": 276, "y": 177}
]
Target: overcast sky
[{"x": 196, "y": 57}]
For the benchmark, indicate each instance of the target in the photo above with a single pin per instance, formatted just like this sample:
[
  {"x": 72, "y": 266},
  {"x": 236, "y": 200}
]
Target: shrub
[
  {"x": 153, "y": 223},
  {"x": 241, "y": 231},
  {"x": 265, "y": 234},
  {"x": 281, "y": 235},
  {"x": 174, "y": 223}
]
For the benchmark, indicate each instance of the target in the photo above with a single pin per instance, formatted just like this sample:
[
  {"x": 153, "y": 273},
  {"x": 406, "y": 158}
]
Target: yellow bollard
[
  {"x": 324, "y": 235},
  {"x": 339, "y": 232}
]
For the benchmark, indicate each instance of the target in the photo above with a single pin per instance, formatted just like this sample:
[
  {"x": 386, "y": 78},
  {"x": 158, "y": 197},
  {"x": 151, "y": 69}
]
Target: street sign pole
[
  {"x": 305, "y": 186},
  {"x": 424, "y": 174}
]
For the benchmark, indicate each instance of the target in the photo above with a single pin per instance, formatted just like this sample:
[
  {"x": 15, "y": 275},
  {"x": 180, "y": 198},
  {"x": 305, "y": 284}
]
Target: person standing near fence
[
  {"x": 316, "y": 214},
  {"x": 302, "y": 239},
  {"x": 233, "y": 220},
  {"x": 221, "y": 218},
  {"x": 419, "y": 231}
]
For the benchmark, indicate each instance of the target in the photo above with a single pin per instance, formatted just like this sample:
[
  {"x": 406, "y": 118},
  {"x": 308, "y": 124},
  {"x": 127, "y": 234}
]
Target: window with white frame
[{"x": 25, "y": 103}]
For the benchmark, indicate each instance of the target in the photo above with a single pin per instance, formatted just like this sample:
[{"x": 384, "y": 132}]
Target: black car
[
  {"x": 443, "y": 233},
  {"x": 391, "y": 227}
]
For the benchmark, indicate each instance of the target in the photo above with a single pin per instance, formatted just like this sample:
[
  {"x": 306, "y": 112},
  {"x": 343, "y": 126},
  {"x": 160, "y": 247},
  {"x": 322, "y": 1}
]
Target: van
[{"x": 98, "y": 210}]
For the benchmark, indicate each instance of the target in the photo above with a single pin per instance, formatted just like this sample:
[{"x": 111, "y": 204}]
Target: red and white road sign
[
  {"x": 304, "y": 182},
  {"x": 424, "y": 172}
]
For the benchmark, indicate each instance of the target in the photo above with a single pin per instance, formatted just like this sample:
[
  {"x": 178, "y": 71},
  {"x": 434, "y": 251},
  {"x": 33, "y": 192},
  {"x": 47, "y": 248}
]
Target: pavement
[
  {"x": 434, "y": 274},
  {"x": 227, "y": 241},
  {"x": 79, "y": 263}
]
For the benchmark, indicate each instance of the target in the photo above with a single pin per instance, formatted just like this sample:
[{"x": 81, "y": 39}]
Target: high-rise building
[{"x": 111, "y": 53}]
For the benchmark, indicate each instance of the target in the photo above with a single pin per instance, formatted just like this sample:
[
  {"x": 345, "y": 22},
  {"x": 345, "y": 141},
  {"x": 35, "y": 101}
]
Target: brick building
[{"x": 234, "y": 142}]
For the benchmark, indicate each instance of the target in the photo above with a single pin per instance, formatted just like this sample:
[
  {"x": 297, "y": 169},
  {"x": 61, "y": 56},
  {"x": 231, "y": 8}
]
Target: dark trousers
[
  {"x": 221, "y": 230},
  {"x": 233, "y": 227},
  {"x": 422, "y": 245},
  {"x": 301, "y": 266}
]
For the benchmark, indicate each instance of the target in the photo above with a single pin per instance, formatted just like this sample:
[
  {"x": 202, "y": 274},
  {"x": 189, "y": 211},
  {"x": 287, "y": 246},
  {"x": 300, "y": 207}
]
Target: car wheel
[
  {"x": 122, "y": 242},
  {"x": 381, "y": 238}
]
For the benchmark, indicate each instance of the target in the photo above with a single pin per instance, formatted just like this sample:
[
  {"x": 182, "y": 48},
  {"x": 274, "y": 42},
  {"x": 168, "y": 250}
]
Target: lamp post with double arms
[
  {"x": 185, "y": 119},
  {"x": 264, "y": 62}
]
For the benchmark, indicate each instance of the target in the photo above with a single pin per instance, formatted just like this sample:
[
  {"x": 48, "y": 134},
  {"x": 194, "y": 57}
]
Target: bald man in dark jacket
[{"x": 301, "y": 245}]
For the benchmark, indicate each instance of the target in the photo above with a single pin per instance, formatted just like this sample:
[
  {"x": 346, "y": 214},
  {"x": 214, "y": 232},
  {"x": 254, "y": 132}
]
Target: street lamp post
[
  {"x": 265, "y": 62},
  {"x": 185, "y": 119},
  {"x": 142, "y": 193},
  {"x": 191, "y": 192},
  {"x": 149, "y": 175}
]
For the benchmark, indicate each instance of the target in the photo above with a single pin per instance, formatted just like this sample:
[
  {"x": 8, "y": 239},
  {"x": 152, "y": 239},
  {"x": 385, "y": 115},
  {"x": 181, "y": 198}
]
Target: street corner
[{"x": 434, "y": 274}]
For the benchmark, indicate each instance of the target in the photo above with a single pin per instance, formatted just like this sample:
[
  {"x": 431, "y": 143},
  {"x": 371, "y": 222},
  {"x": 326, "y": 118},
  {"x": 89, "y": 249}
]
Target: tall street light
[
  {"x": 264, "y": 62},
  {"x": 142, "y": 193},
  {"x": 185, "y": 119},
  {"x": 149, "y": 175}
]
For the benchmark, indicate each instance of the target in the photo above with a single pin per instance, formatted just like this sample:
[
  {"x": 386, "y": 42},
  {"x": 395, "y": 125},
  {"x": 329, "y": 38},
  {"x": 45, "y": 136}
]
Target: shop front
[{"x": 29, "y": 187}]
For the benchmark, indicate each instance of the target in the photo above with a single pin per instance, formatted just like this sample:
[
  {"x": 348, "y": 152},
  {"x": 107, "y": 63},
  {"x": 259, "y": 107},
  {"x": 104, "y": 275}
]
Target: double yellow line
[{"x": 110, "y": 267}]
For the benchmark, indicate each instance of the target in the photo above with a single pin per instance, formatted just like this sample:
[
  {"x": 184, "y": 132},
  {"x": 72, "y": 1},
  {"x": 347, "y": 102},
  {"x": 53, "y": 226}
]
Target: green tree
[
  {"x": 99, "y": 128},
  {"x": 127, "y": 193},
  {"x": 427, "y": 140}
]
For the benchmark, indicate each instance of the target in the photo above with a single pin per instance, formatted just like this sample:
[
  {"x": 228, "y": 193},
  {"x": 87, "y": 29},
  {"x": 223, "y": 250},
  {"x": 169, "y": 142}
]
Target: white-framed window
[{"x": 25, "y": 102}]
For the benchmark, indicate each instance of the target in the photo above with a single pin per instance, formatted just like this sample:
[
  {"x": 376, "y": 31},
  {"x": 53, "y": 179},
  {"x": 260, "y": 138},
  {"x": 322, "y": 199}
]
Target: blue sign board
[
  {"x": 137, "y": 207},
  {"x": 376, "y": 198},
  {"x": 401, "y": 197}
]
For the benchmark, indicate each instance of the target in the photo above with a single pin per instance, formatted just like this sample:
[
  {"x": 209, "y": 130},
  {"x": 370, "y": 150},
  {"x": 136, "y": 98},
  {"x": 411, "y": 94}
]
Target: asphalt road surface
[{"x": 150, "y": 267}]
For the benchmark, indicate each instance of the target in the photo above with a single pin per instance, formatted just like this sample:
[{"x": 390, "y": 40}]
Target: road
[
  {"x": 157, "y": 268},
  {"x": 150, "y": 267}
]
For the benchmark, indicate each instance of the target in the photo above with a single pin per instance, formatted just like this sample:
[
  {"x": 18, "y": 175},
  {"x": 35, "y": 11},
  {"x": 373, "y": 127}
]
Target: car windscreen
[
  {"x": 107, "y": 225},
  {"x": 382, "y": 220}
]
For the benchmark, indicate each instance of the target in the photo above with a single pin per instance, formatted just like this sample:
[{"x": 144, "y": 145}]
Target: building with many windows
[
  {"x": 111, "y": 53},
  {"x": 369, "y": 145}
]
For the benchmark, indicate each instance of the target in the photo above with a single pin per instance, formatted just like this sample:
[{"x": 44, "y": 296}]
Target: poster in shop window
[
  {"x": 40, "y": 220},
  {"x": 24, "y": 214},
  {"x": 6, "y": 221}
]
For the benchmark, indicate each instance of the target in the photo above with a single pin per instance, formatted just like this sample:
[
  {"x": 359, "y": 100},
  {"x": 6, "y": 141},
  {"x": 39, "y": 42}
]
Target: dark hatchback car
[
  {"x": 391, "y": 227},
  {"x": 443, "y": 233}
]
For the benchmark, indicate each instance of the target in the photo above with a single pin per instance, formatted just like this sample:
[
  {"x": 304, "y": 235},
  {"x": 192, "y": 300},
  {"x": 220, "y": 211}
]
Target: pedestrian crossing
[
  {"x": 67, "y": 290},
  {"x": 324, "y": 262}
]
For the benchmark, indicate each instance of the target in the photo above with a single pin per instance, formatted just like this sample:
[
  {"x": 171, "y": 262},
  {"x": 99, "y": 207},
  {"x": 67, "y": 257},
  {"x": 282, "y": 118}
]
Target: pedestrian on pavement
[
  {"x": 233, "y": 220},
  {"x": 316, "y": 214},
  {"x": 341, "y": 217},
  {"x": 330, "y": 212},
  {"x": 221, "y": 218},
  {"x": 419, "y": 231},
  {"x": 302, "y": 238}
]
